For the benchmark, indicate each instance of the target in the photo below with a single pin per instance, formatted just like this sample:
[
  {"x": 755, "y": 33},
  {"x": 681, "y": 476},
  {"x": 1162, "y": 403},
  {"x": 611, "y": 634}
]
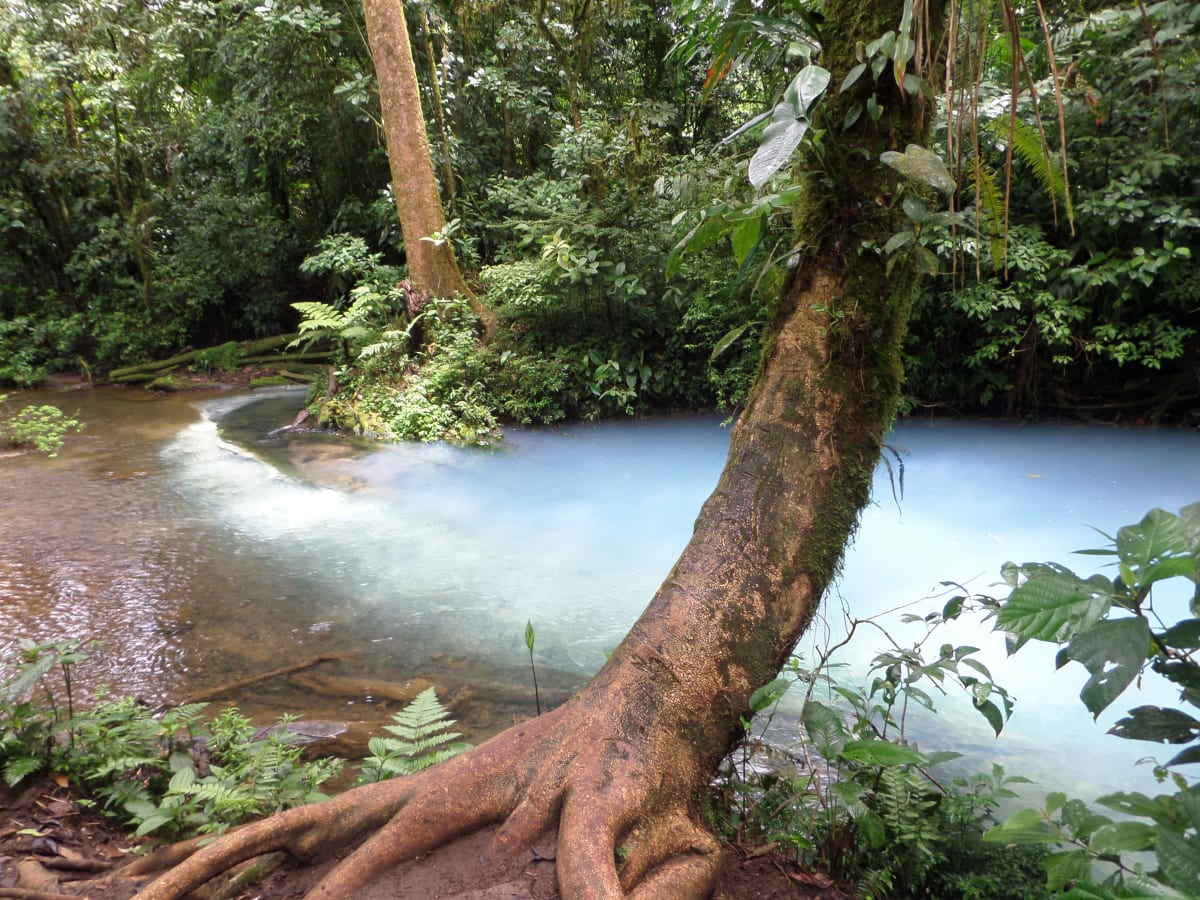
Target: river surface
[{"x": 199, "y": 550}]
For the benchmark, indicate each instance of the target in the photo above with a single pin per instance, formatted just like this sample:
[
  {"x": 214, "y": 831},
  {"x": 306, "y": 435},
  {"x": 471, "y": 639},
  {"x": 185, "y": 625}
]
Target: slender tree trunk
[{"x": 431, "y": 264}]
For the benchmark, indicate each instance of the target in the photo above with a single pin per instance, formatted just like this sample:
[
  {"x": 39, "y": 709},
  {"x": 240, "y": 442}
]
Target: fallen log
[{"x": 244, "y": 349}]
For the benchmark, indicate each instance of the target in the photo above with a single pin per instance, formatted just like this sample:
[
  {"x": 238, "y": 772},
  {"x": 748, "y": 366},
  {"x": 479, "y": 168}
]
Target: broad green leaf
[
  {"x": 745, "y": 237},
  {"x": 941, "y": 756},
  {"x": 780, "y": 139},
  {"x": 1081, "y": 819},
  {"x": 730, "y": 337},
  {"x": 153, "y": 822},
  {"x": 1066, "y": 868},
  {"x": 182, "y": 780},
  {"x": 1121, "y": 836},
  {"x": 898, "y": 240},
  {"x": 769, "y": 694},
  {"x": 1135, "y": 804},
  {"x": 921, "y": 165},
  {"x": 991, "y": 712},
  {"x": 1139, "y": 886},
  {"x": 1027, "y": 826},
  {"x": 1158, "y": 534},
  {"x": 1179, "y": 861},
  {"x": 1184, "y": 635},
  {"x": 1185, "y": 757},
  {"x": 1154, "y": 723},
  {"x": 825, "y": 728},
  {"x": 851, "y": 77},
  {"x": 1053, "y": 605},
  {"x": 806, "y": 87},
  {"x": 530, "y": 634},
  {"x": 915, "y": 208},
  {"x": 1189, "y": 524},
  {"x": 1114, "y": 651},
  {"x": 873, "y": 752}
]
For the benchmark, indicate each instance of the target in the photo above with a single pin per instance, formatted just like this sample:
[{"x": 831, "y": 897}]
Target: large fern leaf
[{"x": 1029, "y": 144}]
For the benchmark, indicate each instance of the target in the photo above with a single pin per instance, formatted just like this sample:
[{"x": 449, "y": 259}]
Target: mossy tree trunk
[
  {"x": 621, "y": 765},
  {"x": 431, "y": 263}
]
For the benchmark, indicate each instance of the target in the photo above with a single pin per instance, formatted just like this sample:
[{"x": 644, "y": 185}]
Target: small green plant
[
  {"x": 1120, "y": 629},
  {"x": 224, "y": 358},
  {"x": 530, "y": 636},
  {"x": 165, "y": 773},
  {"x": 241, "y": 777},
  {"x": 421, "y": 740},
  {"x": 41, "y": 427},
  {"x": 32, "y": 724},
  {"x": 866, "y": 805}
]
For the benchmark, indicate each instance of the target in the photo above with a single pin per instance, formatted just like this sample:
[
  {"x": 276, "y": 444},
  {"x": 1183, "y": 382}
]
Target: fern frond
[
  {"x": 17, "y": 769},
  {"x": 421, "y": 740},
  {"x": 990, "y": 204},
  {"x": 319, "y": 315},
  {"x": 1028, "y": 143}
]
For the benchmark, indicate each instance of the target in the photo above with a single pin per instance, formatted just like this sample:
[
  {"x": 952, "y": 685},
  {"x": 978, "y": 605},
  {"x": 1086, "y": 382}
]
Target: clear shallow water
[{"x": 200, "y": 554}]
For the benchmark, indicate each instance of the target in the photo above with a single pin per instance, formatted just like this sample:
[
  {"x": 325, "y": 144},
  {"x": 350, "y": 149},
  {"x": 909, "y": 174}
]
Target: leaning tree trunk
[
  {"x": 620, "y": 766},
  {"x": 431, "y": 263}
]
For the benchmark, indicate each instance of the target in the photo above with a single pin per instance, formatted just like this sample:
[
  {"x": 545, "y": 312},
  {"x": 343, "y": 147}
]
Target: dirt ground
[{"x": 53, "y": 847}]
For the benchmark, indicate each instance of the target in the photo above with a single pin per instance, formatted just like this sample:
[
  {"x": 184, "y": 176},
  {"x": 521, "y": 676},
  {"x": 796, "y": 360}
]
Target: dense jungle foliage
[{"x": 181, "y": 173}]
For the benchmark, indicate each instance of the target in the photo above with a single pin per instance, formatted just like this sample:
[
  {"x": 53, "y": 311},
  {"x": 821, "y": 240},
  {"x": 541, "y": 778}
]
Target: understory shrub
[
  {"x": 176, "y": 772},
  {"x": 41, "y": 427}
]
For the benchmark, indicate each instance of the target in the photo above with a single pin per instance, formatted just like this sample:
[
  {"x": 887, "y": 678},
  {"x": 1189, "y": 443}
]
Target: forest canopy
[{"x": 178, "y": 174}]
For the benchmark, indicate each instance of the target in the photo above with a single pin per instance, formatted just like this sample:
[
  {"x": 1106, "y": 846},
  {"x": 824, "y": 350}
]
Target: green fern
[
  {"x": 1029, "y": 144},
  {"x": 991, "y": 212},
  {"x": 421, "y": 740}
]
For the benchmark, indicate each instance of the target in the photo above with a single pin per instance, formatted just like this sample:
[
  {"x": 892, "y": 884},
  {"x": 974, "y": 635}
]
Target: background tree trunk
[{"x": 431, "y": 264}]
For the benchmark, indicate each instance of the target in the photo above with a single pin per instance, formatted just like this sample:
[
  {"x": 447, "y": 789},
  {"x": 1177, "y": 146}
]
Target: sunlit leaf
[
  {"x": 809, "y": 84},
  {"x": 921, "y": 165},
  {"x": 1027, "y": 826},
  {"x": 1158, "y": 534},
  {"x": 873, "y": 752},
  {"x": 1053, "y": 605},
  {"x": 1132, "y": 803},
  {"x": 779, "y": 141},
  {"x": 1123, "y": 836}
]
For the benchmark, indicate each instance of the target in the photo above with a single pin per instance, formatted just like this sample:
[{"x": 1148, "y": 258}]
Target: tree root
[{"x": 624, "y": 827}]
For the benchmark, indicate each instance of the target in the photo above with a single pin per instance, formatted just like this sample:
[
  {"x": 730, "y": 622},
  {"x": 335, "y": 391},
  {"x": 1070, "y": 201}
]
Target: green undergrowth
[
  {"x": 42, "y": 427},
  {"x": 576, "y": 341},
  {"x": 178, "y": 772},
  {"x": 872, "y": 809}
]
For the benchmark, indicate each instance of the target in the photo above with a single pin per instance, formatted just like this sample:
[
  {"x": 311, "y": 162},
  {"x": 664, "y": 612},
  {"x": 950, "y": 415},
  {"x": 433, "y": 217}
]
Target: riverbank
[{"x": 53, "y": 846}]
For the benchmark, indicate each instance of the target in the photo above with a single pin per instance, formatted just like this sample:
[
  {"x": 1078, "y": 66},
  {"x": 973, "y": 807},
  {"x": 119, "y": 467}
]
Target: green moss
[{"x": 268, "y": 381}]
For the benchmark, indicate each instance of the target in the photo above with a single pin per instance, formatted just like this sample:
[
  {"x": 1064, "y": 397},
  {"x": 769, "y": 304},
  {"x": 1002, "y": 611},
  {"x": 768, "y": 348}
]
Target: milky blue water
[
  {"x": 235, "y": 551},
  {"x": 574, "y": 528}
]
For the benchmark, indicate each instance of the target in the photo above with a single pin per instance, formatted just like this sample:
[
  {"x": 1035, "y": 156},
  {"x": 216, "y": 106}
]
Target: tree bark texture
[
  {"x": 618, "y": 769},
  {"x": 431, "y": 265}
]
